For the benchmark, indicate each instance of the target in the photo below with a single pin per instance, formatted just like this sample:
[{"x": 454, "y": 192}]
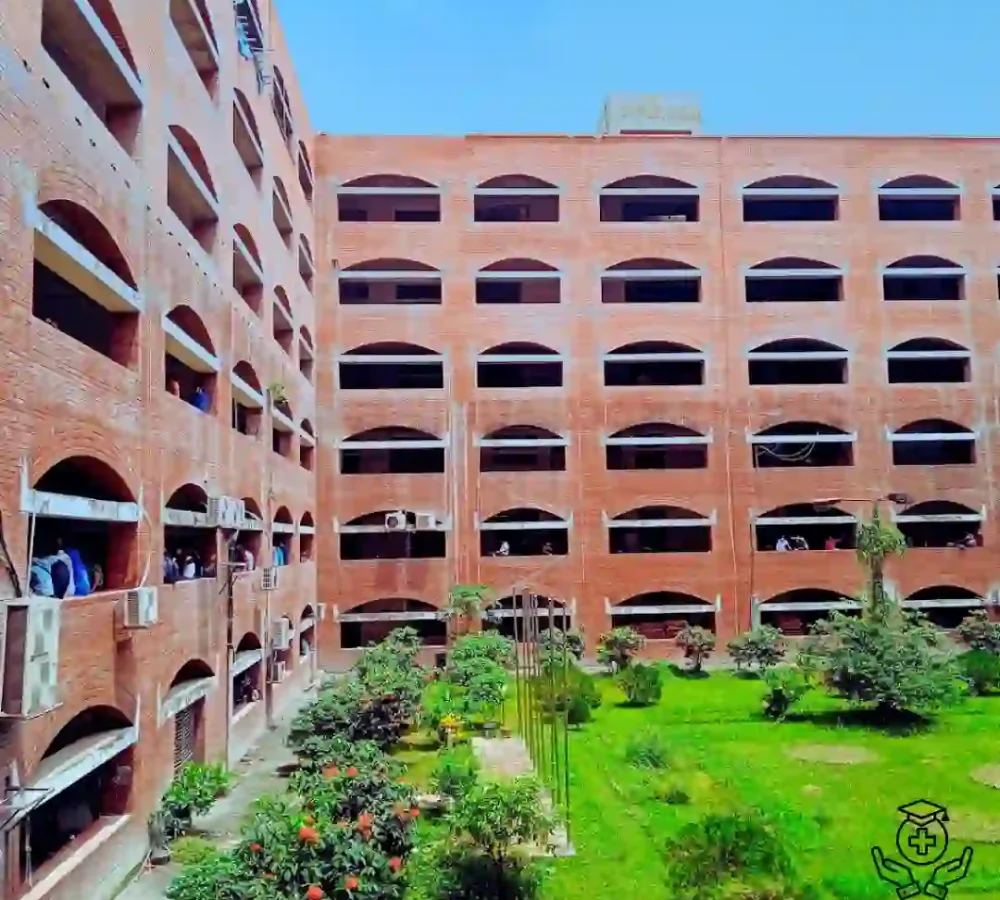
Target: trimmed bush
[
  {"x": 981, "y": 670},
  {"x": 647, "y": 750},
  {"x": 642, "y": 684}
]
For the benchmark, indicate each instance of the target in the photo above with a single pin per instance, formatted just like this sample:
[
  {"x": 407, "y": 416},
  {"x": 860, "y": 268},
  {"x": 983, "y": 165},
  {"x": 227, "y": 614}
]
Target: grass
[{"x": 720, "y": 752}]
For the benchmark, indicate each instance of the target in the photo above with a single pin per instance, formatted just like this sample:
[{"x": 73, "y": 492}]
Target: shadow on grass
[
  {"x": 746, "y": 675},
  {"x": 900, "y": 723},
  {"x": 687, "y": 674}
]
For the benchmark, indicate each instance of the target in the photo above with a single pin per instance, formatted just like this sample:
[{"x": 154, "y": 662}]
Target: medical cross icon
[{"x": 922, "y": 842}]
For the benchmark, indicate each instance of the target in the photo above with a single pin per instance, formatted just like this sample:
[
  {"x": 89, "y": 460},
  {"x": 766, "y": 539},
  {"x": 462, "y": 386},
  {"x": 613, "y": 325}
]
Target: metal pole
[
  {"x": 532, "y": 687},
  {"x": 557, "y": 694},
  {"x": 230, "y": 649},
  {"x": 565, "y": 661},
  {"x": 516, "y": 600}
]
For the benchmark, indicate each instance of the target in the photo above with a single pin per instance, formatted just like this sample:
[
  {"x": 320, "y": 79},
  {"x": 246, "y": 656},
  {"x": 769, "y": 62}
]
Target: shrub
[
  {"x": 647, "y": 750},
  {"x": 448, "y": 871},
  {"x": 618, "y": 647},
  {"x": 762, "y": 646},
  {"x": 190, "y": 849},
  {"x": 558, "y": 694},
  {"x": 488, "y": 645},
  {"x": 220, "y": 876},
  {"x": 785, "y": 687},
  {"x": 697, "y": 643},
  {"x": 642, "y": 684},
  {"x": 193, "y": 791},
  {"x": 455, "y": 773},
  {"x": 578, "y": 711},
  {"x": 981, "y": 670},
  {"x": 552, "y": 640},
  {"x": 979, "y": 633}
]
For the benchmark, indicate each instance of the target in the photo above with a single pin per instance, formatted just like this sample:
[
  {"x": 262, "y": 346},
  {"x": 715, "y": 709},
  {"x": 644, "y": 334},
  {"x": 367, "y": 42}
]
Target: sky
[{"x": 451, "y": 67}]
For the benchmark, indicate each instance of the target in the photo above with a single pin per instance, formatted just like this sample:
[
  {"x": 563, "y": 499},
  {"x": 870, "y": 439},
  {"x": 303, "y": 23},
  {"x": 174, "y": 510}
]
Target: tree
[
  {"x": 465, "y": 606},
  {"x": 551, "y": 642},
  {"x": 762, "y": 646},
  {"x": 979, "y": 633},
  {"x": 876, "y": 543},
  {"x": 697, "y": 643},
  {"x": 617, "y": 648}
]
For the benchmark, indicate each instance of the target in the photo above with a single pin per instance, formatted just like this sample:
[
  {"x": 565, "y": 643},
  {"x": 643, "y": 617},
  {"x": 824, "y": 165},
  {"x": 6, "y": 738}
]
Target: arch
[
  {"x": 307, "y": 613},
  {"x": 188, "y": 321},
  {"x": 944, "y": 591},
  {"x": 244, "y": 371},
  {"x": 918, "y": 182},
  {"x": 519, "y": 264},
  {"x": 249, "y": 641},
  {"x": 659, "y": 511},
  {"x": 306, "y": 336},
  {"x": 191, "y": 497},
  {"x": 928, "y": 345},
  {"x": 655, "y": 430},
  {"x": 662, "y": 614},
  {"x": 790, "y": 183},
  {"x": 523, "y": 514},
  {"x": 390, "y": 433},
  {"x": 519, "y": 348},
  {"x": 798, "y": 345},
  {"x": 650, "y": 263},
  {"x": 800, "y": 427},
  {"x": 802, "y": 510},
  {"x": 939, "y": 508},
  {"x": 944, "y": 605},
  {"x": 253, "y": 509},
  {"x": 933, "y": 426},
  {"x": 91, "y": 721},
  {"x": 923, "y": 262},
  {"x": 282, "y": 516},
  {"x": 663, "y": 598},
  {"x": 91, "y": 233},
  {"x": 244, "y": 235},
  {"x": 795, "y": 611},
  {"x": 390, "y": 264},
  {"x": 521, "y": 433},
  {"x": 307, "y": 520},
  {"x": 306, "y": 246},
  {"x": 393, "y": 604},
  {"x": 793, "y": 262},
  {"x": 197, "y": 159},
  {"x": 207, "y": 19},
  {"x": 387, "y": 180},
  {"x": 376, "y": 517},
  {"x": 651, "y": 182},
  {"x": 514, "y": 182},
  {"x": 307, "y": 426},
  {"x": 391, "y": 348},
  {"x": 109, "y": 19},
  {"x": 192, "y": 670},
  {"x": 279, "y": 189},
  {"x": 251, "y": 119},
  {"x": 85, "y": 476},
  {"x": 304, "y": 156},
  {"x": 282, "y": 92},
  {"x": 281, "y": 295},
  {"x": 665, "y": 347}
]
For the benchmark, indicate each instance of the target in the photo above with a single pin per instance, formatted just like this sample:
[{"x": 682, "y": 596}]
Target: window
[
  {"x": 389, "y": 366},
  {"x": 389, "y": 198},
  {"x": 793, "y": 280},
  {"x": 649, "y": 199},
  {"x": 654, "y": 364},
  {"x": 190, "y": 189},
  {"x": 390, "y": 282},
  {"x": 516, "y": 281},
  {"x": 651, "y": 281},
  {"x": 790, "y": 198},
  {"x": 919, "y": 198},
  {"x": 516, "y": 198}
]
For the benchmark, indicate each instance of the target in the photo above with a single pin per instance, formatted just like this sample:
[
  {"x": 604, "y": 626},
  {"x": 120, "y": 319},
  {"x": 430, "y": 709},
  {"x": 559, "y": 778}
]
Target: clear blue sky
[{"x": 765, "y": 67}]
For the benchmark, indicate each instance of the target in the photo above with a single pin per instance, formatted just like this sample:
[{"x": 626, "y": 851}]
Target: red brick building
[
  {"x": 157, "y": 343},
  {"x": 622, "y": 370}
]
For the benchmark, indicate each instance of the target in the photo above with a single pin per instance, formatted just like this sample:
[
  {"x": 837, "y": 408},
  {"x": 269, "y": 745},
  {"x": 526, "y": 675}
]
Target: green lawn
[{"x": 723, "y": 753}]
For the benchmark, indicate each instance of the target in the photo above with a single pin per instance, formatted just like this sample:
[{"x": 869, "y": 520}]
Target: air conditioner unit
[
  {"x": 269, "y": 578},
  {"x": 226, "y": 512},
  {"x": 395, "y": 521},
  {"x": 31, "y": 648},
  {"x": 282, "y": 634},
  {"x": 141, "y": 608},
  {"x": 278, "y": 671},
  {"x": 426, "y": 522}
]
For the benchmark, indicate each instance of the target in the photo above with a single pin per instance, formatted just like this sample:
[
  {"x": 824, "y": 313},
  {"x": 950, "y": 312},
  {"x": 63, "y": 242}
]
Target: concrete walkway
[{"x": 256, "y": 776}]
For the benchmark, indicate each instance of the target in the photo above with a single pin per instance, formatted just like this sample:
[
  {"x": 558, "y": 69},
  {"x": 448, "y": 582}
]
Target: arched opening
[
  {"x": 84, "y": 531},
  {"x": 191, "y": 192},
  {"x": 795, "y": 613},
  {"x": 393, "y": 534},
  {"x": 941, "y": 523},
  {"x": 184, "y": 702},
  {"x": 389, "y": 198},
  {"x": 649, "y": 198},
  {"x": 190, "y": 364},
  {"x": 281, "y": 211},
  {"x": 790, "y": 198},
  {"x": 81, "y": 785},
  {"x": 515, "y": 198},
  {"x": 81, "y": 283},
  {"x": 248, "y": 400},
  {"x": 518, "y": 280},
  {"x": 654, "y": 363},
  {"x": 923, "y": 278},
  {"x": 524, "y": 532},
  {"x": 662, "y": 615},
  {"x": 798, "y": 361},
  {"x": 282, "y": 427},
  {"x": 805, "y": 526},
  {"x": 193, "y": 23},
  {"x": 281, "y": 107},
  {"x": 802, "y": 444},
  {"x": 307, "y": 445},
  {"x": 651, "y": 280},
  {"x": 656, "y": 445},
  {"x": 190, "y": 539},
  {"x": 793, "y": 280},
  {"x": 929, "y": 360},
  {"x": 660, "y": 529},
  {"x": 307, "y": 634},
  {"x": 919, "y": 198},
  {"x": 108, "y": 82},
  {"x": 248, "y": 270},
  {"x": 507, "y": 616},
  {"x": 246, "y": 136},
  {"x": 282, "y": 534},
  {"x": 245, "y": 542},
  {"x": 519, "y": 364},
  {"x": 369, "y": 623},
  {"x": 391, "y": 366},
  {"x": 944, "y": 605},
  {"x": 390, "y": 282},
  {"x": 305, "y": 172},
  {"x": 933, "y": 442},
  {"x": 282, "y": 328},
  {"x": 392, "y": 450},
  {"x": 522, "y": 448},
  {"x": 306, "y": 354},
  {"x": 307, "y": 537},
  {"x": 307, "y": 268},
  {"x": 247, "y": 674}
]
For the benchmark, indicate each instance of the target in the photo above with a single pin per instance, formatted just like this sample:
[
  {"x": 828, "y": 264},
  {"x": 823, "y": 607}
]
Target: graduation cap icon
[
  {"x": 923, "y": 812},
  {"x": 922, "y": 837}
]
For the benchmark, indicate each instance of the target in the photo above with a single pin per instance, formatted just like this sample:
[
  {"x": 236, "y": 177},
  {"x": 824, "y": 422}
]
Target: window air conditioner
[
  {"x": 269, "y": 578},
  {"x": 426, "y": 522},
  {"x": 395, "y": 521},
  {"x": 141, "y": 608},
  {"x": 282, "y": 634},
  {"x": 278, "y": 670}
]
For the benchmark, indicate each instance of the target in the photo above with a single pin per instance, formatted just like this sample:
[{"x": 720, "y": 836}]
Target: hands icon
[
  {"x": 896, "y": 873},
  {"x": 907, "y": 886}
]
